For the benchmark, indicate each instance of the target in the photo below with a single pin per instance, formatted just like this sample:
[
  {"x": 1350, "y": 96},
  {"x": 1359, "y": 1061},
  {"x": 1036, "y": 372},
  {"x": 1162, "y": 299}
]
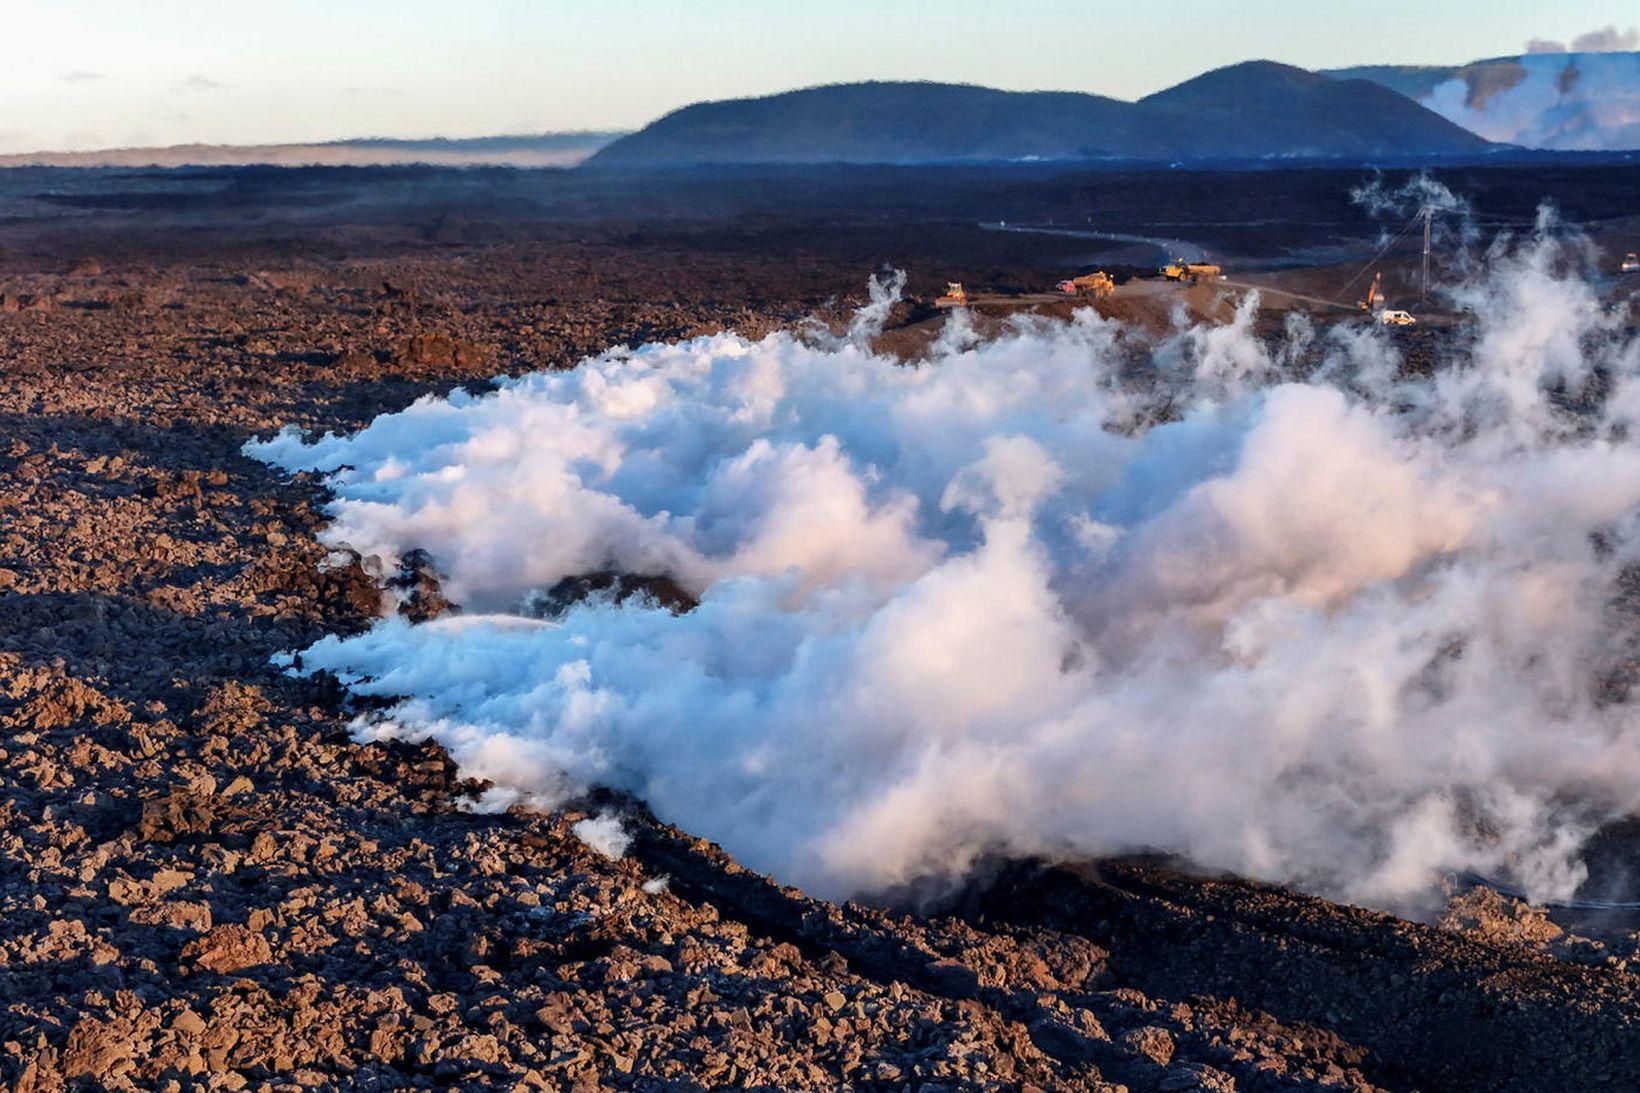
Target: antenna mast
[{"x": 1428, "y": 212}]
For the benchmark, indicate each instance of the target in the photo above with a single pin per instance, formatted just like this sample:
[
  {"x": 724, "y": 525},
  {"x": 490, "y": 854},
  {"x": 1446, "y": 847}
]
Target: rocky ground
[{"x": 205, "y": 883}]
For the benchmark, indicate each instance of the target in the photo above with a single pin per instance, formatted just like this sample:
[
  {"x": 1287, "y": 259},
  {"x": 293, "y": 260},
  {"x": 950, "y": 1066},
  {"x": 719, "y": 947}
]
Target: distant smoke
[
  {"x": 1064, "y": 592},
  {"x": 1605, "y": 40}
]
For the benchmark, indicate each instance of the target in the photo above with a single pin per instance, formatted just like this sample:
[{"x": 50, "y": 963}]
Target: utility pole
[{"x": 1428, "y": 212}]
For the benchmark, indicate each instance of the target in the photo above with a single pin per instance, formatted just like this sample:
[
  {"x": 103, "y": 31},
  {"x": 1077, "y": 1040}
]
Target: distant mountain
[
  {"x": 1252, "y": 110},
  {"x": 539, "y": 150},
  {"x": 1565, "y": 101},
  {"x": 1283, "y": 110},
  {"x": 890, "y": 123}
]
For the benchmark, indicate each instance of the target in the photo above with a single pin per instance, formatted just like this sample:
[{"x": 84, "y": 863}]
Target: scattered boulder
[
  {"x": 1496, "y": 917},
  {"x": 183, "y": 811},
  {"x": 419, "y": 584},
  {"x": 436, "y": 350},
  {"x": 1155, "y": 1044},
  {"x": 227, "y": 948}
]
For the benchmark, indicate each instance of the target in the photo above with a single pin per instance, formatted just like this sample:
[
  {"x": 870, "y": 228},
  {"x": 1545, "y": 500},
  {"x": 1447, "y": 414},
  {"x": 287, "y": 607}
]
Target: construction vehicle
[
  {"x": 954, "y": 296},
  {"x": 1191, "y": 272},
  {"x": 1097, "y": 284},
  {"x": 1631, "y": 263},
  {"x": 1396, "y": 317},
  {"x": 1375, "y": 295}
]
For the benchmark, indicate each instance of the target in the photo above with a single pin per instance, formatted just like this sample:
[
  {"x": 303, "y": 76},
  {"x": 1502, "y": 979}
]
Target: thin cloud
[
  {"x": 197, "y": 82},
  {"x": 83, "y": 76}
]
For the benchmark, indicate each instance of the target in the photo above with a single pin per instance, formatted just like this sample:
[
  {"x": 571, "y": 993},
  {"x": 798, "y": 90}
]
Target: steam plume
[
  {"x": 1044, "y": 594},
  {"x": 1607, "y": 39}
]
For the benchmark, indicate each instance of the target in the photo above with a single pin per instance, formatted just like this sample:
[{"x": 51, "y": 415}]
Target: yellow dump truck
[
  {"x": 1191, "y": 272},
  {"x": 1097, "y": 284}
]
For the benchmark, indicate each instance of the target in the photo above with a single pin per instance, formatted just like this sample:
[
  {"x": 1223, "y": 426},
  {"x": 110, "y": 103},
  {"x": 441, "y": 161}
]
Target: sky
[{"x": 84, "y": 74}]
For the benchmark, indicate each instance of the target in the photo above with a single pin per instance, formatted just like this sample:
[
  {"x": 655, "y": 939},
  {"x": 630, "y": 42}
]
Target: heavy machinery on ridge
[
  {"x": 1097, "y": 284},
  {"x": 1375, "y": 295},
  {"x": 1374, "y": 305},
  {"x": 1191, "y": 272}
]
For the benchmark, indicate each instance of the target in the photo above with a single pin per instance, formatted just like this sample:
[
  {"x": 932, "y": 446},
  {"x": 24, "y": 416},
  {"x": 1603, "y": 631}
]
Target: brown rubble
[
  {"x": 1492, "y": 916},
  {"x": 227, "y": 948},
  {"x": 431, "y": 349}
]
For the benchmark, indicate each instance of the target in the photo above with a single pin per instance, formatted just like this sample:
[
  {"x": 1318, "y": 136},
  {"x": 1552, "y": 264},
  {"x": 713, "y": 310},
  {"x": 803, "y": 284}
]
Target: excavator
[
  {"x": 1097, "y": 284},
  {"x": 1191, "y": 272},
  {"x": 1375, "y": 295},
  {"x": 1374, "y": 305}
]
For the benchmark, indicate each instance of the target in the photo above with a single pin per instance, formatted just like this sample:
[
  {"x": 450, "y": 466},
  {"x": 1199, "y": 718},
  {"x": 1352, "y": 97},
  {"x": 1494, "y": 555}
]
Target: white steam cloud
[
  {"x": 1454, "y": 232},
  {"x": 604, "y": 833},
  {"x": 1607, "y": 39},
  {"x": 1587, "y": 100},
  {"x": 1046, "y": 594}
]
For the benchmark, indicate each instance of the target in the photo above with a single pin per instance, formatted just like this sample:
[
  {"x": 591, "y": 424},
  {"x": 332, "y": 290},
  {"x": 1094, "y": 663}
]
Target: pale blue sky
[{"x": 97, "y": 73}]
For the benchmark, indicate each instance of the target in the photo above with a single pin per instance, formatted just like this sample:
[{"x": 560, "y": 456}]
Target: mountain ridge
[
  {"x": 563, "y": 149},
  {"x": 1255, "y": 109}
]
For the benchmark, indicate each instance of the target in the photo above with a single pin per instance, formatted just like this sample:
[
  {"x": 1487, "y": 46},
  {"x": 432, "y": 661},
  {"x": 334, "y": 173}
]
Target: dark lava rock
[
  {"x": 227, "y": 948},
  {"x": 612, "y": 587},
  {"x": 208, "y": 880},
  {"x": 423, "y": 593}
]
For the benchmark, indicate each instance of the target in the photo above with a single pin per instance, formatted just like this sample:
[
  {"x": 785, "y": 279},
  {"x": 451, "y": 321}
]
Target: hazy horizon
[{"x": 219, "y": 74}]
